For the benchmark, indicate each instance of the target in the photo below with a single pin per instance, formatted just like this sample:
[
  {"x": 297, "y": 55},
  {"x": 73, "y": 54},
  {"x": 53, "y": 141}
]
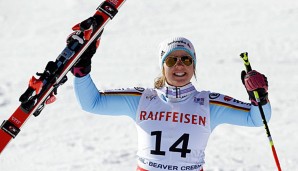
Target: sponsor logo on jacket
[{"x": 171, "y": 116}]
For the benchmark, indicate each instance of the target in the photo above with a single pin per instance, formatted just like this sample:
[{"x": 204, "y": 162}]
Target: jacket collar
[{"x": 177, "y": 94}]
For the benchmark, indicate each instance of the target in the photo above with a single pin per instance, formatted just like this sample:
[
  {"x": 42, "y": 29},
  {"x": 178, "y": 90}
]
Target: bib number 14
[{"x": 174, "y": 148}]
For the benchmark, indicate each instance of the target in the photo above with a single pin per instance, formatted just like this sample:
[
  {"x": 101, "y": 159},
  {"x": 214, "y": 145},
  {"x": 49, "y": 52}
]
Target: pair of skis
[{"x": 41, "y": 91}]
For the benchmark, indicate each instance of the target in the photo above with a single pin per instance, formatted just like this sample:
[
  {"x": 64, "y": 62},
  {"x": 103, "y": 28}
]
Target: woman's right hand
[{"x": 82, "y": 32}]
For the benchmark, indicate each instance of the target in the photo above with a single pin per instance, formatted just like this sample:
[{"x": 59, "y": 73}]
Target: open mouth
[{"x": 180, "y": 74}]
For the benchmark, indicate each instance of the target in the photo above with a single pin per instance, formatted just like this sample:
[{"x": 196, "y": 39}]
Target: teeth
[{"x": 180, "y": 74}]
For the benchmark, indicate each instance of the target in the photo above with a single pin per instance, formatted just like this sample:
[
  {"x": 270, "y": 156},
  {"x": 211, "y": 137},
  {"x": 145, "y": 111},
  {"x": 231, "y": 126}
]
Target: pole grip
[
  {"x": 247, "y": 65},
  {"x": 244, "y": 57}
]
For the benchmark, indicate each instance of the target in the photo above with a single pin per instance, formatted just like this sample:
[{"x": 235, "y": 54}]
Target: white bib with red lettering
[{"x": 172, "y": 135}]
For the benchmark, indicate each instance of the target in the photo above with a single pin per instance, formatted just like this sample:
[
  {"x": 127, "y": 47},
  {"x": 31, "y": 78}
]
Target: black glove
[
  {"x": 83, "y": 31},
  {"x": 83, "y": 66},
  {"x": 254, "y": 81}
]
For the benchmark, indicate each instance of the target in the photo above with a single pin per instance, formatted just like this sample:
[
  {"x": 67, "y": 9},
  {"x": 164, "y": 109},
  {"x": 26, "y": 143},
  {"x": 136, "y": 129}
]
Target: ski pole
[{"x": 247, "y": 65}]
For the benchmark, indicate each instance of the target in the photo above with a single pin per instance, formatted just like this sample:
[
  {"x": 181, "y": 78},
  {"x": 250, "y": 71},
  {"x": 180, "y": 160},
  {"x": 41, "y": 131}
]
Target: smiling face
[{"x": 179, "y": 74}]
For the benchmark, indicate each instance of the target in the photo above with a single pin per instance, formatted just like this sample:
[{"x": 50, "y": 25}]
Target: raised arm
[
  {"x": 117, "y": 102},
  {"x": 225, "y": 109}
]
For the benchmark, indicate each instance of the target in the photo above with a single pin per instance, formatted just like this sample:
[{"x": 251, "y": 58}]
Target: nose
[{"x": 179, "y": 62}]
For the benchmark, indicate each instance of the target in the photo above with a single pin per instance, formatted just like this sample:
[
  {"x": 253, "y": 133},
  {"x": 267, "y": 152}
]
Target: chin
[{"x": 180, "y": 83}]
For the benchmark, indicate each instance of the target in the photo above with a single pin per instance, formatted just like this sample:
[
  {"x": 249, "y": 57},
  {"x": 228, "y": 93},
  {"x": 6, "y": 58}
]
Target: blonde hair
[{"x": 160, "y": 81}]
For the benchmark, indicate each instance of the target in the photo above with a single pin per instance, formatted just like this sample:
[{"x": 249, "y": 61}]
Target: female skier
[{"x": 173, "y": 119}]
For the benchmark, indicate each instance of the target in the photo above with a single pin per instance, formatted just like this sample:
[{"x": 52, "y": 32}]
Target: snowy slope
[{"x": 64, "y": 137}]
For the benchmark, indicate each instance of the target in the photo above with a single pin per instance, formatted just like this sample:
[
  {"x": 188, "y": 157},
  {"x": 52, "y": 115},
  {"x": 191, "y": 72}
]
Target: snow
[{"x": 65, "y": 138}]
